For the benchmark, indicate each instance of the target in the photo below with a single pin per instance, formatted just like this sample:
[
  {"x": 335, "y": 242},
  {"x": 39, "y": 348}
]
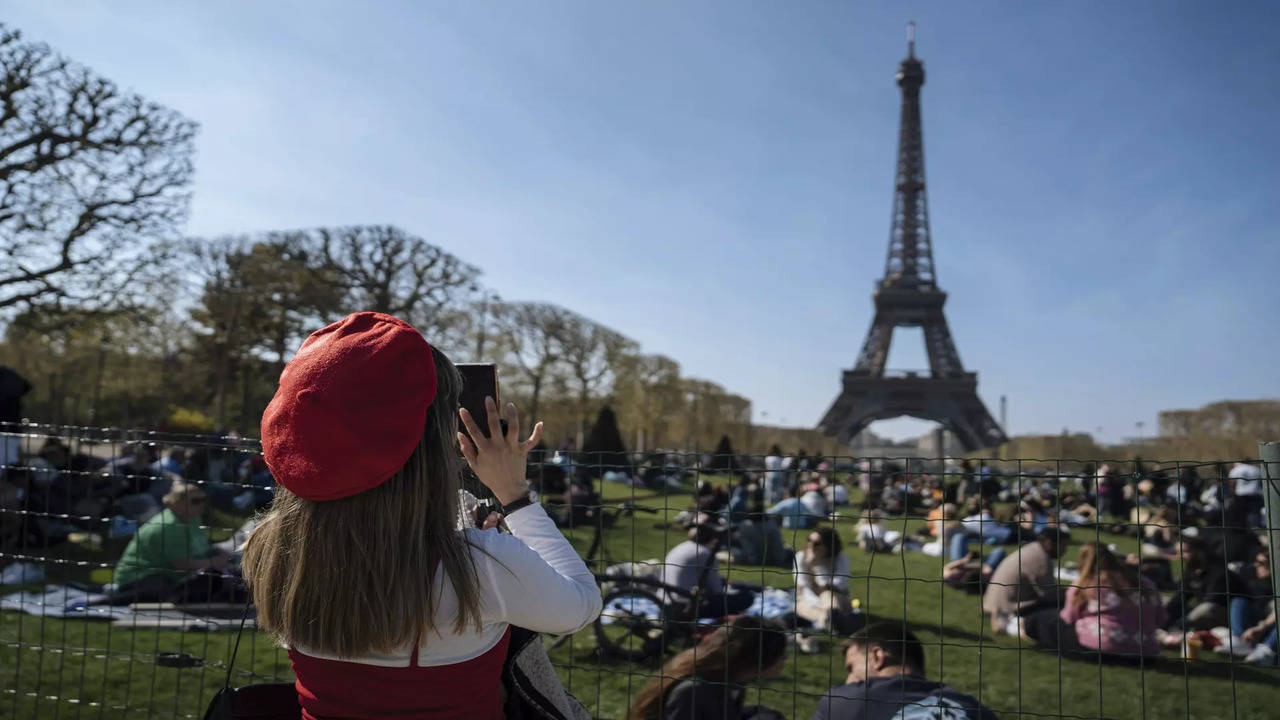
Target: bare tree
[
  {"x": 90, "y": 178},
  {"x": 649, "y": 390},
  {"x": 224, "y": 310},
  {"x": 384, "y": 269},
  {"x": 590, "y": 352},
  {"x": 530, "y": 335}
]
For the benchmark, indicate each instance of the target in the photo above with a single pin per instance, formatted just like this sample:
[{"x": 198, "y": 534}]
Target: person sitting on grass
[
  {"x": 972, "y": 573},
  {"x": 757, "y": 539},
  {"x": 978, "y": 525},
  {"x": 1031, "y": 518},
  {"x": 707, "y": 681},
  {"x": 795, "y": 513},
  {"x": 836, "y": 493},
  {"x": 1263, "y": 636},
  {"x": 1203, "y": 590},
  {"x": 1074, "y": 511},
  {"x": 170, "y": 558},
  {"x": 886, "y": 681},
  {"x": 822, "y": 581},
  {"x": 693, "y": 565},
  {"x": 1107, "y": 610},
  {"x": 1250, "y": 602},
  {"x": 1024, "y": 581},
  {"x": 740, "y": 499},
  {"x": 873, "y": 536}
]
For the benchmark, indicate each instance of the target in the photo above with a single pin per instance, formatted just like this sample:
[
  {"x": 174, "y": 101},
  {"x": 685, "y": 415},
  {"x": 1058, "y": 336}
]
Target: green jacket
[{"x": 160, "y": 542}]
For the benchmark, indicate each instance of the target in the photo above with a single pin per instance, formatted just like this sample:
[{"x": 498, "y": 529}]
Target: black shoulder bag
[{"x": 263, "y": 701}]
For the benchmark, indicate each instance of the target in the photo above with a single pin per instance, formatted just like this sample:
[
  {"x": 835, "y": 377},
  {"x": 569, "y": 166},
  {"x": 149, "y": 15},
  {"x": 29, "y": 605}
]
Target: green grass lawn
[{"x": 84, "y": 669}]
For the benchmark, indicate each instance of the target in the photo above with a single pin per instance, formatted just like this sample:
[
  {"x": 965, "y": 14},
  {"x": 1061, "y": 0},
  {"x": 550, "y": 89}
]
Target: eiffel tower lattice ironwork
[{"x": 908, "y": 296}]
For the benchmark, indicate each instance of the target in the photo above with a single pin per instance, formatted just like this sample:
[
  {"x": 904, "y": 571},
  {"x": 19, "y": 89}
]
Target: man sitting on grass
[
  {"x": 170, "y": 558},
  {"x": 1025, "y": 581},
  {"x": 796, "y": 512},
  {"x": 886, "y": 681},
  {"x": 693, "y": 564}
]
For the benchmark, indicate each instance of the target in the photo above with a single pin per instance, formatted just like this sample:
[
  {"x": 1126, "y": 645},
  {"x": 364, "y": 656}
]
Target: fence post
[{"x": 1269, "y": 452}]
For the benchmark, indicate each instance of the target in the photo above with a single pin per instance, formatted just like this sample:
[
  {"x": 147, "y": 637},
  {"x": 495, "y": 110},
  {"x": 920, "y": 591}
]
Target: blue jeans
[
  {"x": 994, "y": 558},
  {"x": 959, "y": 545},
  {"x": 993, "y": 535},
  {"x": 1244, "y": 614},
  {"x": 1270, "y": 640}
]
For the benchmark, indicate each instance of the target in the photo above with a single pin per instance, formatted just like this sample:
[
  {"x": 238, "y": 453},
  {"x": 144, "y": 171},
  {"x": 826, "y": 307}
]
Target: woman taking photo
[
  {"x": 387, "y": 608},
  {"x": 707, "y": 681}
]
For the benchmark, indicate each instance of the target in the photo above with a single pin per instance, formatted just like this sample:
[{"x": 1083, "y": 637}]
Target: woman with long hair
[
  {"x": 822, "y": 580},
  {"x": 1109, "y": 609},
  {"x": 707, "y": 681},
  {"x": 387, "y": 608}
]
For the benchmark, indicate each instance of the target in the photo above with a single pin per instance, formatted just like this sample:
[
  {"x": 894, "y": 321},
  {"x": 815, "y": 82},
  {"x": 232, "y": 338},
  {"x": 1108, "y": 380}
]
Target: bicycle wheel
[{"x": 631, "y": 627}]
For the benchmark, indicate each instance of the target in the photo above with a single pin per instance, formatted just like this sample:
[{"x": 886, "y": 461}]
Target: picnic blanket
[
  {"x": 64, "y": 601},
  {"x": 770, "y": 603}
]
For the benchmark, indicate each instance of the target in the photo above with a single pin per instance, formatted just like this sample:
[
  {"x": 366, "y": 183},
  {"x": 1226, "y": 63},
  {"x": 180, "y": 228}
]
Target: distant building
[
  {"x": 1259, "y": 419},
  {"x": 1064, "y": 445},
  {"x": 939, "y": 443}
]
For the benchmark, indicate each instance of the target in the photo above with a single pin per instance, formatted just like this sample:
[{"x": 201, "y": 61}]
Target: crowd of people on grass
[
  {"x": 1200, "y": 579},
  {"x": 338, "y": 518},
  {"x": 885, "y": 678}
]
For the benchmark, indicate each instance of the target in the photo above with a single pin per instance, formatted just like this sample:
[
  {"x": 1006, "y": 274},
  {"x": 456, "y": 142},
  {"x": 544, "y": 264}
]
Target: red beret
[{"x": 351, "y": 407}]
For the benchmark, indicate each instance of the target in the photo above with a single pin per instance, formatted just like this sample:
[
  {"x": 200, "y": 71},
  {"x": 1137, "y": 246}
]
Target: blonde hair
[
  {"x": 947, "y": 521},
  {"x": 1099, "y": 569},
  {"x": 352, "y": 576},
  {"x": 180, "y": 492}
]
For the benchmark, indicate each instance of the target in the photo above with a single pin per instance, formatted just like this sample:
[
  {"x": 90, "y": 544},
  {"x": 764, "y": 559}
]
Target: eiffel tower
[{"x": 908, "y": 296}]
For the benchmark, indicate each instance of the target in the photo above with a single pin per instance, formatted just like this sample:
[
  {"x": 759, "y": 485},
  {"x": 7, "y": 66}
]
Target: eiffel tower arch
[{"x": 908, "y": 296}]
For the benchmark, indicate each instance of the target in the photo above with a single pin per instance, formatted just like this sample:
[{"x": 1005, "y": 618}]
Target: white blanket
[{"x": 62, "y": 601}]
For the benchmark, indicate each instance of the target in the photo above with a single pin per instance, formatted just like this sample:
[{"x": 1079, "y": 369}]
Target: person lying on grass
[
  {"x": 886, "y": 681},
  {"x": 709, "y": 680}
]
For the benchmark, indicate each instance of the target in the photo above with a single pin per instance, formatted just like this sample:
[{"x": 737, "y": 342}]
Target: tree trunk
[
  {"x": 55, "y": 401},
  {"x": 281, "y": 343},
  {"x": 533, "y": 404},
  {"x": 220, "y": 390},
  {"x": 582, "y": 414},
  {"x": 244, "y": 397}
]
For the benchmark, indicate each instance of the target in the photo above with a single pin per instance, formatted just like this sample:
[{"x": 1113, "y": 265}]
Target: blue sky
[{"x": 714, "y": 179}]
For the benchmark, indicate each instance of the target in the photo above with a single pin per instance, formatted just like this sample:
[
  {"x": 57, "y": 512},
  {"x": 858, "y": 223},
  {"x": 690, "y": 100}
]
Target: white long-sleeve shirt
[
  {"x": 532, "y": 578},
  {"x": 825, "y": 573}
]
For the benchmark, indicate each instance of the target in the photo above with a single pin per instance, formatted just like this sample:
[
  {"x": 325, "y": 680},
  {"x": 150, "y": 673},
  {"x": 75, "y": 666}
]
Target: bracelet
[{"x": 517, "y": 504}]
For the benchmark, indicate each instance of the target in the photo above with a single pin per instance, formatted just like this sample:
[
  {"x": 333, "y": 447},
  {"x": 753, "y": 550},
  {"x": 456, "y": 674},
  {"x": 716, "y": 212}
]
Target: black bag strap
[{"x": 226, "y": 684}]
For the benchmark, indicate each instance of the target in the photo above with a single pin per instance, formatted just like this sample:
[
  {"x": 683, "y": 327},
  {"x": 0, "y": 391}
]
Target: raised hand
[{"x": 498, "y": 460}]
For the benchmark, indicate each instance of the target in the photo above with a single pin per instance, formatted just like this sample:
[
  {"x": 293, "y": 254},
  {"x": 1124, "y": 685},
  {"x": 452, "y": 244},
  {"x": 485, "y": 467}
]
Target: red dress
[{"x": 467, "y": 690}]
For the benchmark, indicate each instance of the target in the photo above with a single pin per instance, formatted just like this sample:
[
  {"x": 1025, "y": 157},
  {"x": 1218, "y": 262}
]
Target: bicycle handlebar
[{"x": 641, "y": 580}]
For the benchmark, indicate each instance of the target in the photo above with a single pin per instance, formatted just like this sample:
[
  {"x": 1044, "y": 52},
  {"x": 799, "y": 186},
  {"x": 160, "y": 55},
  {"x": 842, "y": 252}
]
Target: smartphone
[{"x": 479, "y": 380}]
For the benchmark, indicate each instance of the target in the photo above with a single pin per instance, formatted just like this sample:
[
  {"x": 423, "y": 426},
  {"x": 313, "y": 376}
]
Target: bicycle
[{"x": 642, "y": 617}]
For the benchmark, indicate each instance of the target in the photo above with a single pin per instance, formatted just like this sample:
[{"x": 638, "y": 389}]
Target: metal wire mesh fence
[{"x": 734, "y": 586}]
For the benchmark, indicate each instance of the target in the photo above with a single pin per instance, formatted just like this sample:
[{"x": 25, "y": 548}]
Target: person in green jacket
[{"x": 170, "y": 557}]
